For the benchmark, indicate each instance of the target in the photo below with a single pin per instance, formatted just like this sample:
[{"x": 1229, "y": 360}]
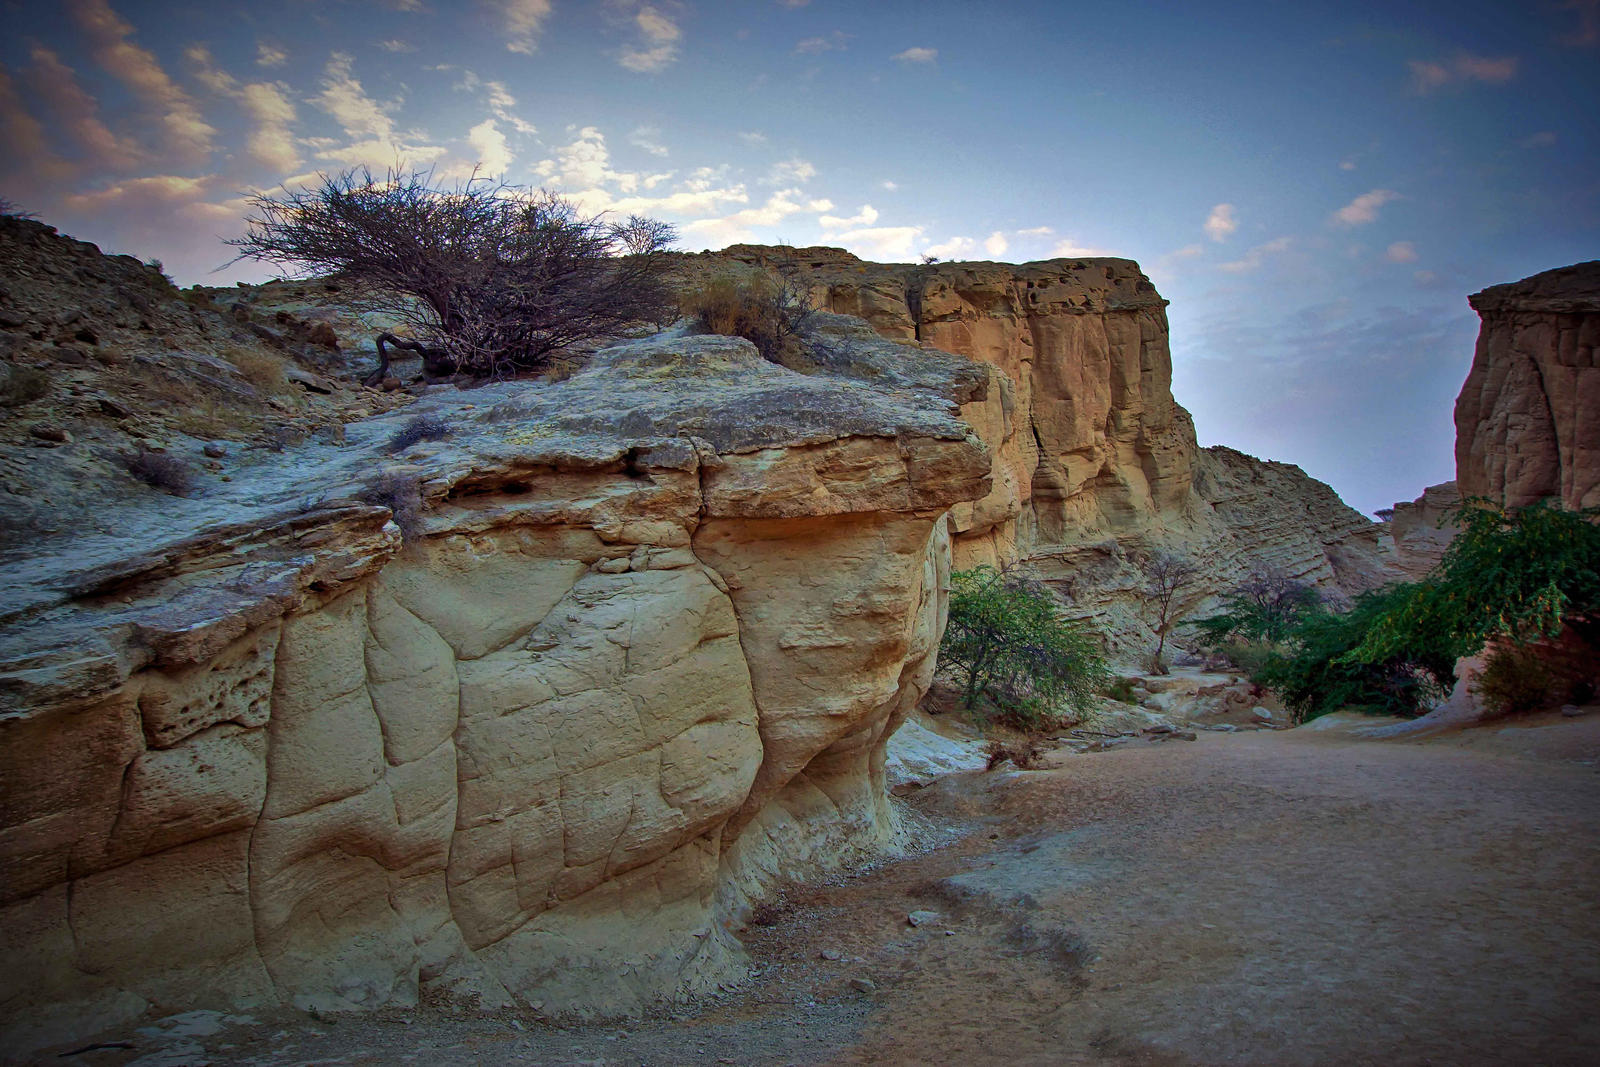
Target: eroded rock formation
[
  {"x": 636, "y": 658},
  {"x": 1528, "y": 417},
  {"x": 1095, "y": 465}
]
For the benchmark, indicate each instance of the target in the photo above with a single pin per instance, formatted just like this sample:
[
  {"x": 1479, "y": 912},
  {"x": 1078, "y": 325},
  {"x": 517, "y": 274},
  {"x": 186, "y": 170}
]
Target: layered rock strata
[
  {"x": 1095, "y": 466},
  {"x": 1528, "y": 417},
  {"x": 635, "y": 657}
]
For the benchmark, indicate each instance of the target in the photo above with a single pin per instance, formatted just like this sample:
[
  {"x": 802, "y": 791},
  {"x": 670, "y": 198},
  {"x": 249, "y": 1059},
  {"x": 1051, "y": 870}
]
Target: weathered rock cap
[
  {"x": 719, "y": 390},
  {"x": 1564, "y": 290}
]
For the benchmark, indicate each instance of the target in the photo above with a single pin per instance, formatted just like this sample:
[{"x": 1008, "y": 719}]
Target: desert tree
[
  {"x": 489, "y": 279},
  {"x": 1009, "y": 647},
  {"x": 1167, "y": 576}
]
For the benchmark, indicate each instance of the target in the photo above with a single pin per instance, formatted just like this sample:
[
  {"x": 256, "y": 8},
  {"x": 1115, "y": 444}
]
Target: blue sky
[{"x": 1315, "y": 187}]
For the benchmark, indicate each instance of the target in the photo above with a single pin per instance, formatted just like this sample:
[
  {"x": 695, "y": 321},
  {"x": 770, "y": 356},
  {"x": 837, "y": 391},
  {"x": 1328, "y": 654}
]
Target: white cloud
[
  {"x": 187, "y": 136},
  {"x": 741, "y": 225},
  {"x": 270, "y": 55},
  {"x": 79, "y": 113},
  {"x": 374, "y": 141},
  {"x": 1401, "y": 252},
  {"x": 793, "y": 3},
  {"x": 1255, "y": 257},
  {"x": 889, "y": 185},
  {"x": 1220, "y": 224},
  {"x": 1036, "y": 231},
  {"x": 833, "y": 42},
  {"x": 1364, "y": 208},
  {"x": 954, "y": 248},
  {"x": 1186, "y": 252},
  {"x": 585, "y": 164},
  {"x": 1071, "y": 249},
  {"x": 753, "y": 137},
  {"x": 793, "y": 171},
  {"x": 996, "y": 244},
  {"x": 494, "y": 155},
  {"x": 160, "y": 193},
  {"x": 397, "y": 46},
  {"x": 522, "y": 20},
  {"x": 865, "y": 217},
  {"x": 502, "y": 105},
  {"x": 1347, "y": 164},
  {"x": 29, "y": 164},
  {"x": 887, "y": 243},
  {"x": 649, "y": 139},
  {"x": 917, "y": 55},
  {"x": 659, "y": 42},
  {"x": 1428, "y": 75},
  {"x": 270, "y": 142}
]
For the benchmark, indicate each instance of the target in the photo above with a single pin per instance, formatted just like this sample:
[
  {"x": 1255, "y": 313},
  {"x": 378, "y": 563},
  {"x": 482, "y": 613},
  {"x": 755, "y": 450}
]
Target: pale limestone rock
[
  {"x": 681, "y": 593},
  {"x": 1422, "y": 529},
  {"x": 1528, "y": 417},
  {"x": 1093, "y": 465}
]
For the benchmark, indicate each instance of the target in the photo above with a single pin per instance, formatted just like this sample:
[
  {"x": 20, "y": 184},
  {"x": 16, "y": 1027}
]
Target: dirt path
[{"x": 1267, "y": 898}]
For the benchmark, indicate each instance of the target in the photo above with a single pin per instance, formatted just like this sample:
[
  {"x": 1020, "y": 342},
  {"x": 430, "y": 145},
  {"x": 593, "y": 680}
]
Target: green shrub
[
  {"x": 1120, "y": 689},
  {"x": 1516, "y": 575},
  {"x": 1017, "y": 659},
  {"x": 1315, "y": 673},
  {"x": 1515, "y": 679}
]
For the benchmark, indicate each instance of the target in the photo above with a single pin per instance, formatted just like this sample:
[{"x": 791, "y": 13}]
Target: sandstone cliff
[
  {"x": 1095, "y": 465},
  {"x": 635, "y": 657},
  {"x": 1528, "y": 417}
]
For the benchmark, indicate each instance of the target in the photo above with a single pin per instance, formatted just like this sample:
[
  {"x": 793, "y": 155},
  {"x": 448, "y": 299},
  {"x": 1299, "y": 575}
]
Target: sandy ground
[{"x": 1256, "y": 898}]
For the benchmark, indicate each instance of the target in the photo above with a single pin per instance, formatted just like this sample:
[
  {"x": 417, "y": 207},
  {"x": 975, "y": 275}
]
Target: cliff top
[{"x": 1566, "y": 290}]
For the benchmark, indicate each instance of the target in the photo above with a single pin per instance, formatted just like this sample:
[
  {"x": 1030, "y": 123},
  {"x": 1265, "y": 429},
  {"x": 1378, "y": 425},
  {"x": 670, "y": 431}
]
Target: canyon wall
[
  {"x": 634, "y": 658},
  {"x": 1528, "y": 417},
  {"x": 1095, "y": 466}
]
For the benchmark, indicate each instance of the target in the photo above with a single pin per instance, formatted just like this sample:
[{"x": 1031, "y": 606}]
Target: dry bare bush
[
  {"x": 264, "y": 370},
  {"x": 417, "y": 429},
  {"x": 768, "y": 311},
  {"x": 160, "y": 471},
  {"x": 489, "y": 279}
]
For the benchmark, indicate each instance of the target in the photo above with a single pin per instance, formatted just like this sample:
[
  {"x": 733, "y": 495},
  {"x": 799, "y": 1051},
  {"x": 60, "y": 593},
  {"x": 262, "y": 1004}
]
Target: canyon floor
[{"x": 1292, "y": 897}]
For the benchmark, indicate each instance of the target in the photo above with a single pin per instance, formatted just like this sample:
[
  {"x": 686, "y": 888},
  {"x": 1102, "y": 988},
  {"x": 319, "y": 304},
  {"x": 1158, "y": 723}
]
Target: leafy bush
[
  {"x": 766, "y": 311},
  {"x": 1266, "y": 606},
  {"x": 1315, "y": 673},
  {"x": 1017, "y": 659},
  {"x": 1513, "y": 575},
  {"x": 490, "y": 279},
  {"x": 1120, "y": 690},
  {"x": 1518, "y": 573},
  {"x": 1515, "y": 679}
]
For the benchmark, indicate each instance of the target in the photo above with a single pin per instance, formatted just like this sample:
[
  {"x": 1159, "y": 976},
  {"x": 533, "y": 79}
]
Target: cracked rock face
[
  {"x": 637, "y": 659},
  {"x": 1528, "y": 417}
]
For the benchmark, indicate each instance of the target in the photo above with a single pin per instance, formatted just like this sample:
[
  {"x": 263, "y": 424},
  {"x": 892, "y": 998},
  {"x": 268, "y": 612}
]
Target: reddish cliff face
[{"x": 1528, "y": 417}]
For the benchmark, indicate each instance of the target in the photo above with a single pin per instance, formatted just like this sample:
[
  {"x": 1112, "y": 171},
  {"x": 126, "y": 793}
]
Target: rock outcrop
[
  {"x": 1095, "y": 465},
  {"x": 1528, "y": 417},
  {"x": 635, "y": 657},
  {"x": 1422, "y": 529}
]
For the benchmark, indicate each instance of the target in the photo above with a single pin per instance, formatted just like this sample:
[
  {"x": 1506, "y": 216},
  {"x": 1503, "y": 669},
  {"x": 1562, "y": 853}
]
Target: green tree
[{"x": 1008, "y": 645}]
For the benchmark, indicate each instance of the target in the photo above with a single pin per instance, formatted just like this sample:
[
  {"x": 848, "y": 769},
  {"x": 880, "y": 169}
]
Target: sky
[{"x": 1316, "y": 187}]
